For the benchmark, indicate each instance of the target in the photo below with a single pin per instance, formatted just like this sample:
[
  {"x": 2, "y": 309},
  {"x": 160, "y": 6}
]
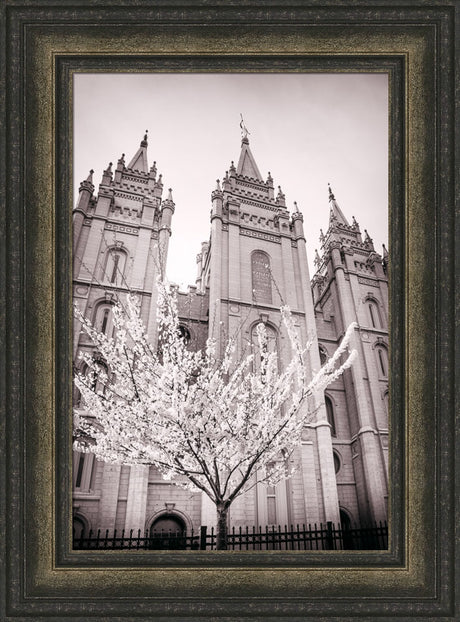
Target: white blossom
[{"x": 205, "y": 422}]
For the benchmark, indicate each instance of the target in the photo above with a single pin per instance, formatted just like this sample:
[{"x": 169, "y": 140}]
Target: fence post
[
  {"x": 203, "y": 538},
  {"x": 329, "y": 536}
]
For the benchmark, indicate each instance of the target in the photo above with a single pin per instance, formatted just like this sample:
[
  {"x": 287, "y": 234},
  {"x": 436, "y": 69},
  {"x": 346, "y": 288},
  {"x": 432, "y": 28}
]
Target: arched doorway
[
  {"x": 168, "y": 532},
  {"x": 80, "y": 528},
  {"x": 347, "y": 537}
]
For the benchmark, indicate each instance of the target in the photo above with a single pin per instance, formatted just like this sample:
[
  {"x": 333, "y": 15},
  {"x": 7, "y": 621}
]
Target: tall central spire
[
  {"x": 244, "y": 129},
  {"x": 246, "y": 164},
  {"x": 336, "y": 214},
  {"x": 139, "y": 161}
]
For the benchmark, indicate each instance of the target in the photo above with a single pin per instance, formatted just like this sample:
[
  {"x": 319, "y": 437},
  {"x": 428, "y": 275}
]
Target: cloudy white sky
[{"x": 306, "y": 129}]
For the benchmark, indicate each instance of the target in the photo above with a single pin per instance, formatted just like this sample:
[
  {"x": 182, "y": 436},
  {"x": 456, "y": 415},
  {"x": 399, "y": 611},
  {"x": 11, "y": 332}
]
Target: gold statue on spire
[{"x": 244, "y": 129}]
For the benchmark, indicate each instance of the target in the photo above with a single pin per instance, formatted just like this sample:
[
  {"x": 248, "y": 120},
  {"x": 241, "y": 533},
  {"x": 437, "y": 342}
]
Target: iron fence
[{"x": 297, "y": 538}]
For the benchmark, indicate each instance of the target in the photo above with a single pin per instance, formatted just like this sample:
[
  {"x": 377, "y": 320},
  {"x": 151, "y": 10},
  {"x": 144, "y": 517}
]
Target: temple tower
[
  {"x": 121, "y": 238},
  {"x": 351, "y": 285},
  {"x": 256, "y": 262}
]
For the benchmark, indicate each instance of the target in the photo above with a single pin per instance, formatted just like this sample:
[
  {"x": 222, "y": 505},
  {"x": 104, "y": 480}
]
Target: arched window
[
  {"x": 77, "y": 399},
  {"x": 261, "y": 277},
  {"x": 322, "y": 355},
  {"x": 272, "y": 342},
  {"x": 98, "y": 383},
  {"x": 115, "y": 266},
  {"x": 100, "y": 376},
  {"x": 373, "y": 313},
  {"x": 330, "y": 414},
  {"x": 382, "y": 360},
  {"x": 103, "y": 319},
  {"x": 185, "y": 334}
]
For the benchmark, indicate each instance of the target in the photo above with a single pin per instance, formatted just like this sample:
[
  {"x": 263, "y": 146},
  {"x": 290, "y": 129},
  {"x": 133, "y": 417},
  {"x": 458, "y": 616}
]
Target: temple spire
[
  {"x": 246, "y": 164},
  {"x": 139, "y": 161},
  {"x": 336, "y": 214}
]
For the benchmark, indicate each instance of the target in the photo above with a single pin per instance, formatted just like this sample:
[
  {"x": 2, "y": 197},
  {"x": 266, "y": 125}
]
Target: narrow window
[
  {"x": 330, "y": 415},
  {"x": 92, "y": 476},
  {"x": 371, "y": 312},
  {"x": 382, "y": 363},
  {"x": 382, "y": 356},
  {"x": 113, "y": 270},
  {"x": 116, "y": 259},
  {"x": 271, "y": 505},
  {"x": 185, "y": 334},
  {"x": 261, "y": 277},
  {"x": 81, "y": 463},
  {"x": 104, "y": 321},
  {"x": 322, "y": 355},
  {"x": 272, "y": 343},
  {"x": 101, "y": 378},
  {"x": 374, "y": 314}
]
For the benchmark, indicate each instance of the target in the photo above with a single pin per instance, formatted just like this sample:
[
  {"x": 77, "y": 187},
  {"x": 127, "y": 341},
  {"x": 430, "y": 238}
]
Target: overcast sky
[{"x": 306, "y": 129}]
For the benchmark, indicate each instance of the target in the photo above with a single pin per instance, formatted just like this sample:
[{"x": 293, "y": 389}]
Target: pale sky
[{"x": 306, "y": 129}]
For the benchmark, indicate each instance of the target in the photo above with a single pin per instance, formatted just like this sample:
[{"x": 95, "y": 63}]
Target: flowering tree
[{"x": 207, "y": 422}]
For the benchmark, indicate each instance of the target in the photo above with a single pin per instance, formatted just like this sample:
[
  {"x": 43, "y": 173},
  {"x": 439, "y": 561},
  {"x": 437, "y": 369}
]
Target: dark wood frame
[{"x": 44, "y": 44}]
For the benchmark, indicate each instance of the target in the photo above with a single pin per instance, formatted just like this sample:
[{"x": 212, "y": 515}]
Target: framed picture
[
  {"x": 251, "y": 264},
  {"x": 64, "y": 67}
]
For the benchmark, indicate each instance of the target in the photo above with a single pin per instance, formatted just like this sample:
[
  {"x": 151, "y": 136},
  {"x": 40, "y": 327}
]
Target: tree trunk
[{"x": 221, "y": 535}]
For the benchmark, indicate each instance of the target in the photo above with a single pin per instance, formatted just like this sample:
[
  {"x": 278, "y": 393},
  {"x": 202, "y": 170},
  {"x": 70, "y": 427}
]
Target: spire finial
[
  {"x": 144, "y": 143},
  {"x": 331, "y": 195},
  {"x": 244, "y": 129},
  {"x": 87, "y": 184},
  {"x": 367, "y": 237}
]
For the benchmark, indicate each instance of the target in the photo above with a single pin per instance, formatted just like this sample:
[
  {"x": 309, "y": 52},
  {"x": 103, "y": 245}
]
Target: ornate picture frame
[{"x": 44, "y": 45}]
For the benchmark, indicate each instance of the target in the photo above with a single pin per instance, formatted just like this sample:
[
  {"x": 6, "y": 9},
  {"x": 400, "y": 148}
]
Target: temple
[{"x": 254, "y": 261}]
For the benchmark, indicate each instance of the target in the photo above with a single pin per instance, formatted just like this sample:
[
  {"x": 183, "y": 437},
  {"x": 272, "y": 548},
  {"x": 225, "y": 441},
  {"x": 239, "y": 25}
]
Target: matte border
[{"x": 44, "y": 42}]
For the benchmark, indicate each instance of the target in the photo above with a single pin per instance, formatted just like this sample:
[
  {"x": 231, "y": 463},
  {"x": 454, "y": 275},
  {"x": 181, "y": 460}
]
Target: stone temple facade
[{"x": 255, "y": 260}]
